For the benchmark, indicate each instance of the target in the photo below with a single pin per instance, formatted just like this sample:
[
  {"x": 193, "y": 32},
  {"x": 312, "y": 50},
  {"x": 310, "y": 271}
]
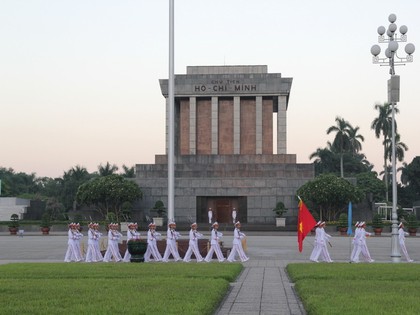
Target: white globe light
[
  {"x": 389, "y": 33},
  {"x": 403, "y": 29},
  {"x": 375, "y": 50},
  {"x": 392, "y": 27},
  {"x": 393, "y": 46},
  {"x": 381, "y": 30},
  {"x": 392, "y": 18},
  {"x": 410, "y": 48},
  {"x": 388, "y": 53}
]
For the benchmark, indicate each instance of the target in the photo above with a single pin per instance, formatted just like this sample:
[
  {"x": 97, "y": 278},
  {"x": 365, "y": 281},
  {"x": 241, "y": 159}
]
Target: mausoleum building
[{"x": 225, "y": 120}]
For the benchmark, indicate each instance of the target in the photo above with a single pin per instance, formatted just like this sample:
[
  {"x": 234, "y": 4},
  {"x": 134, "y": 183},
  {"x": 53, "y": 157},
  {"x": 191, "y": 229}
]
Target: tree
[
  {"x": 129, "y": 172},
  {"x": 108, "y": 169},
  {"x": 71, "y": 181},
  {"x": 107, "y": 194},
  {"x": 400, "y": 148},
  {"x": 354, "y": 137},
  {"x": 341, "y": 140},
  {"x": 331, "y": 194},
  {"x": 411, "y": 173},
  {"x": 382, "y": 125},
  {"x": 370, "y": 184}
]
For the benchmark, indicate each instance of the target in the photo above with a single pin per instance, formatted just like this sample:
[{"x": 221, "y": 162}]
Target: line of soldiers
[
  {"x": 93, "y": 253},
  {"x": 320, "y": 250}
]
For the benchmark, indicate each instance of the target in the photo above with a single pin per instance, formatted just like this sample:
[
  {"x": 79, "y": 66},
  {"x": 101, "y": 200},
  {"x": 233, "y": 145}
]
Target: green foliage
[
  {"x": 45, "y": 220},
  {"x": 343, "y": 220},
  {"x": 108, "y": 193},
  {"x": 335, "y": 288},
  {"x": 412, "y": 222},
  {"x": 377, "y": 222},
  {"x": 159, "y": 207},
  {"x": 331, "y": 194},
  {"x": 369, "y": 183},
  {"x": 280, "y": 209},
  {"x": 14, "y": 221},
  {"x": 187, "y": 288}
]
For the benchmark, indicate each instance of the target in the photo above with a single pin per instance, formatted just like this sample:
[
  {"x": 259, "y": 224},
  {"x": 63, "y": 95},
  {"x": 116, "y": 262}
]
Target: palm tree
[
  {"x": 129, "y": 172},
  {"x": 108, "y": 169},
  {"x": 383, "y": 125},
  {"x": 341, "y": 140},
  {"x": 400, "y": 148},
  {"x": 355, "y": 144}
]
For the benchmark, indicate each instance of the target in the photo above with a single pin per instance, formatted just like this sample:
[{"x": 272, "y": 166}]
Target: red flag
[{"x": 306, "y": 222}]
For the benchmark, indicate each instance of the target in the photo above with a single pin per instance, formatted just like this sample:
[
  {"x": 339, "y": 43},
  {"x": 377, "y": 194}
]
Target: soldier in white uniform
[
  {"x": 112, "y": 251},
  {"x": 238, "y": 236},
  {"x": 73, "y": 253},
  {"x": 316, "y": 245},
  {"x": 401, "y": 237},
  {"x": 214, "y": 244},
  {"x": 322, "y": 240},
  {"x": 171, "y": 236},
  {"x": 193, "y": 245},
  {"x": 93, "y": 253},
  {"x": 132, "y": 234},
  {"x": 355, "y": 242},
  {"x": 362, "y": 247},
  {"x": 152, "y": 249}
]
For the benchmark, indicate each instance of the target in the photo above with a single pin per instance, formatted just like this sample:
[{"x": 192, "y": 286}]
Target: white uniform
[
  {"x": 321, "y": 239},
  {"x": 152, "y": 250},
  {"x": 316, "y": 245},
  {"x": 356, "y": 242},
  {"x": 362, "y": 247},
  {"x": 93, "y": 254},
  {"x": 215, "y": 247},
  {"x": 401, "y": 237},
  {"x": 73, "y": 252},
  {"x": 193, "y": 247},
  {"x": 237, "y": 247},
  {"x": 171, "y": 248},
  {"x": 132, "y": 234},
  {"x": 113, "y": 252}
]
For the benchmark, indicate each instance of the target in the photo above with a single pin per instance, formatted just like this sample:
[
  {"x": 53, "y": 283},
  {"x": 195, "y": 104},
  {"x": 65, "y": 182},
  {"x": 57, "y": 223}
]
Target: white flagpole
[{"x": 171, "y": 132}]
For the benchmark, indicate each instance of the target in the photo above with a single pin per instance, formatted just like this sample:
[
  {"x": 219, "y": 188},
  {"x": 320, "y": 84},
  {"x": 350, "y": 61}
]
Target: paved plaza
[{"x": 262, "y": 288}]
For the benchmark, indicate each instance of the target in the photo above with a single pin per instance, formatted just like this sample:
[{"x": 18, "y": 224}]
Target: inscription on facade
[{"x": 224, "y": 86}]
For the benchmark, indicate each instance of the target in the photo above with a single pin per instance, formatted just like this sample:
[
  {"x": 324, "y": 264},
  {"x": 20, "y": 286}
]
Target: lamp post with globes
[{"x": 391, "y": 59}]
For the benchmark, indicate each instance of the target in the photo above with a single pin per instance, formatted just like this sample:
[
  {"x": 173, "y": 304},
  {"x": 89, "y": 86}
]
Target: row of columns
[{"x": 281, "y": 124}]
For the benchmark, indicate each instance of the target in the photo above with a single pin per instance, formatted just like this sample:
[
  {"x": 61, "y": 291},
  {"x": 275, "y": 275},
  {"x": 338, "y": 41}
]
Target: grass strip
[
  {"x": 357, "y": 288},
  {"x": 59, "y": 288}
]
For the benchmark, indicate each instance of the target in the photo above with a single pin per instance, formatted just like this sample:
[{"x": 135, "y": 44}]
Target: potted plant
[
  {"x": 343, "y": 223},
  {"x": 377, "y": 224},
  {"x": 160, "y": 210},
  {"x": 45, "y": 224},
  {"x": 412, "y": 224},
  {"x": 14, "y": 224},
  {"x": 280, "y": 209}
]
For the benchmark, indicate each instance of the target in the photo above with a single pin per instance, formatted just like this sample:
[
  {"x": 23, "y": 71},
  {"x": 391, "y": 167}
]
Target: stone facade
[{"x": 224, "y": 147}]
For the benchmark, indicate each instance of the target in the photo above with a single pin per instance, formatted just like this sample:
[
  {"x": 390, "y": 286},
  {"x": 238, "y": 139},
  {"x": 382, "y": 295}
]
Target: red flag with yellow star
[{"x": 306, "y": 222}]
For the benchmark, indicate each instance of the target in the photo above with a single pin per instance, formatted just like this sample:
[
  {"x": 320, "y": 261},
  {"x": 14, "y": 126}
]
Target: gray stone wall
[{"x": 263, "y": 184}]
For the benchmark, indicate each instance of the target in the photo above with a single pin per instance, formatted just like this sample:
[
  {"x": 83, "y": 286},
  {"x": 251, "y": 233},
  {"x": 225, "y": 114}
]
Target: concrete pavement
[{"x": 262, "y": 288}]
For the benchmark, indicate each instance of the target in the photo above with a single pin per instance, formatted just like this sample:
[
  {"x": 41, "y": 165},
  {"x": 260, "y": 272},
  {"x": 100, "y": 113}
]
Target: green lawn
[
  {"x": 155, "y": 288},
  {"x": 357, "y": 288}
]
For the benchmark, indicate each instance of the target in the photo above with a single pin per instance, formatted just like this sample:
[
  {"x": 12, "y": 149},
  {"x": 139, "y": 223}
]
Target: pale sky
[{"x": 79, "y": 79}]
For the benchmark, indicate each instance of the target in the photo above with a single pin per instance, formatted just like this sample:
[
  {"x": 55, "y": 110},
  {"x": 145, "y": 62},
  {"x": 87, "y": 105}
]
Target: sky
[{"x": 79, "y": 79}]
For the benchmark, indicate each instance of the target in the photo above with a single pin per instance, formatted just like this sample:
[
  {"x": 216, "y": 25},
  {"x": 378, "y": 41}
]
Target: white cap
[
  {"x": 215, "y": 223},
  {"x": 357, "y": 224},
  {"x": 400, "y": 225}
]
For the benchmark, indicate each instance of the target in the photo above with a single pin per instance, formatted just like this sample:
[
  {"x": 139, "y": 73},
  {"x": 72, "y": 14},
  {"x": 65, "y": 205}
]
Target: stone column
[
  {"x": 193, "y": 124},
  {"x": 236, "y": 125},
  {"x": 258, "y": 125},
  {"x": 214, "y": 125},
  {"x": 282, "y": 125}
]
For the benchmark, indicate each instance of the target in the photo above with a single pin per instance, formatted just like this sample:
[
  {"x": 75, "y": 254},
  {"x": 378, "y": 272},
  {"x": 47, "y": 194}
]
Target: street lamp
[{"x": 392, "y": 59}]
